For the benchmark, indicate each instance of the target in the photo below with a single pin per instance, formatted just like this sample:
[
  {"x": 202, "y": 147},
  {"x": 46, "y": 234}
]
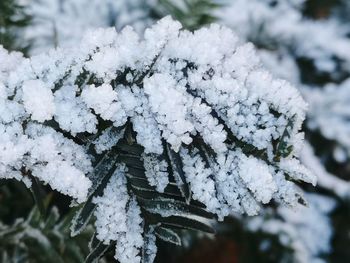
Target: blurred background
[{"x": 306, "y": 42}]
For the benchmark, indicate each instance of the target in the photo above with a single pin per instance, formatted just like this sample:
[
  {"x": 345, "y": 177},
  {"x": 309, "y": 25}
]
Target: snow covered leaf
[
  {"x": 42, "y": 240},
  {"x": 97, "y": 252},
  {"x": 168, "y": 235},
  {"x": 85, "y": 212},
  {"x": 178, "y": 173},
  {"x": 37, "y": 196},
  {"x": 166, "y": 207}
]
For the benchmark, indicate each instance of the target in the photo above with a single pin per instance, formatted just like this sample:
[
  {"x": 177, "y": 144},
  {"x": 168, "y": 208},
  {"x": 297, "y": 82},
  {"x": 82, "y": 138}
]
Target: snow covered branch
[{"x": 154, "y": 131}]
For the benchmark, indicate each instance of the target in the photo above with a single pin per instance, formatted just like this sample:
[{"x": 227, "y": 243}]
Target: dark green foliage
[
  {"x": 153, "y": 203},
  {"x": 15, "y": 201},
  {"x": 168, "y": 235},
  {"x": 97, "y": 252},
  {"x": 102, "y": 173},
  {"x": 283, "y": 148},
  {"x": 191, "y": 13},
  {"x": 185, "y": 213},
  {"x": 35, "y": 239},
  {"x": 38, "y": 195},
  {"x": 175, "y": 162},
  {"x": 12, "y": 19}
]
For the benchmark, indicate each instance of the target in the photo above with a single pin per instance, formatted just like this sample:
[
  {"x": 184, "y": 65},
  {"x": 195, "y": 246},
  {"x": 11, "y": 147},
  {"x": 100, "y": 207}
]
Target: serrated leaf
[{"x": 168, "y": 235}]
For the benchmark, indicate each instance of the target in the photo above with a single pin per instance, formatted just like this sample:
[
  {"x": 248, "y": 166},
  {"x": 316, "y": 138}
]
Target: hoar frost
[
  {"x": 118, "y": 218},
  {"x": 199, "y": 100},
  {"x": 295, "y": 45},
  {"x": 38, "y": 100},
  {"x": 286, "y": 37}
]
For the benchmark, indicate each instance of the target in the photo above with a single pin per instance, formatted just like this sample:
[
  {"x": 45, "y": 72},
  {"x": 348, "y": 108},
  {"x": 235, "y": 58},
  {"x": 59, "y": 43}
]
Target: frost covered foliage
[
  {"x": 154, "y": 133},
  {"x": 298, "y": 229},
  {"x": 313, "y": 54},
  {"x": 298, "y": 48},
  {"x": 34, "y": 239}
]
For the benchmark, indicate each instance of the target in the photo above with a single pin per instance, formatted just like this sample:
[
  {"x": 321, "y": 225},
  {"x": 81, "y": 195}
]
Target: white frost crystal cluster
[
  {"x": 156, "y": 171},
  {"x": 202, "y": 96},
  {"x": 118, "y": 218},
  {"x": 28, "y": 148},
  {"x": 38, "y": 100}
]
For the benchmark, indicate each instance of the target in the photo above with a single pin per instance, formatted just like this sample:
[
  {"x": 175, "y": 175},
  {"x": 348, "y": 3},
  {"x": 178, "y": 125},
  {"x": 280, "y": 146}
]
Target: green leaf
[
  {"x": 74, "y": 252},
  {"x": 102, "y": 169},
  {"x": 178, "y": 173},
  {"x": 178, "y": 208},
  {"x": 134, "y": 148},
  {"x": 142, "y": 184},
  {"x": 37, "y": 195},
  {"x": 168, "y": 235},
  {"x": 84, "y": 214},
  {"x": 178, "y": 222},
  {"x": 137, "y": 173},
  {"x": 51, "y": 219},
  {"x": 97, "y": 252},
  {"x": 41, "y": 248},
  {"x": 283, "y": 149},
  {"x": 131, "y": 160},
  {"x": 93, "y": 241},
  {"x": 149, "y": 239}
]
